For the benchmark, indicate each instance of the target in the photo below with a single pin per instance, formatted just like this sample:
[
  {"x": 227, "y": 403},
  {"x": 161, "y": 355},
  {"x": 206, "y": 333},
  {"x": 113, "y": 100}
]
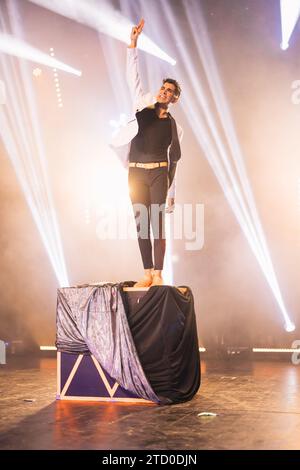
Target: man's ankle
[{"x": 157, "y": 273}]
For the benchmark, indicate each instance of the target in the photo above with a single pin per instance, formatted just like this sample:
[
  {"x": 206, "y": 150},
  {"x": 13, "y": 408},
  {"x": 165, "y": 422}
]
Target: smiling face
[{"x": 167, "y": 94}]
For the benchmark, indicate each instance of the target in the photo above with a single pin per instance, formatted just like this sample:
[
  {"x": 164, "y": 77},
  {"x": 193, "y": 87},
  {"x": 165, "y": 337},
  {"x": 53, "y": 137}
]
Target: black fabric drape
[{"x": 163, "y": 327}]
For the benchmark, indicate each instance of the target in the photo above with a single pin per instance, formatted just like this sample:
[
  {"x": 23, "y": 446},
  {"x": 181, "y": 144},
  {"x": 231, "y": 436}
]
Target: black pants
[{"x": 148, "y": 193}]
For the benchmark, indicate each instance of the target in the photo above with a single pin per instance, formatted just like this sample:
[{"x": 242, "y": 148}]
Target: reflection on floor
[{"x": 257, "y": 406}]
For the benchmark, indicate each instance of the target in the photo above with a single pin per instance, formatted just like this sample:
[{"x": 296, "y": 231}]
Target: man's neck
[{"x": 161, "y": 110}]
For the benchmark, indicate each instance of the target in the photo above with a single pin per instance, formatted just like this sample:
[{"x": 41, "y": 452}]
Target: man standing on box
[{"x": 151, "y": 141}]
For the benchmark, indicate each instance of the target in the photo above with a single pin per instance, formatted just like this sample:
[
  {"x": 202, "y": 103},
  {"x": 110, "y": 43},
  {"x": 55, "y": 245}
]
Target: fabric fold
[
  {"x": 93, "y": 319},
  {"x": 151, "y": 350}
]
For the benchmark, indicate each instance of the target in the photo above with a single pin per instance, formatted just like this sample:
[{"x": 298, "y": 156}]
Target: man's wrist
[{"x": 132, "y": 45}]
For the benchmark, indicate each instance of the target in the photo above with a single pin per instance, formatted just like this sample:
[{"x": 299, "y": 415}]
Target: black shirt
[{"x": 153, "y": 138}]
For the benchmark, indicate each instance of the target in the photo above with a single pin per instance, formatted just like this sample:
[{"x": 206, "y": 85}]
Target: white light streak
[
  {"x": 20, "y": 132},
  {"x": 105, "y": 19},
  {"x": 290, "y": 11},
  {"x": 19, "y": 48},
  {"x": 224, "y": 155},
  {"x": 275, "y": 350}
]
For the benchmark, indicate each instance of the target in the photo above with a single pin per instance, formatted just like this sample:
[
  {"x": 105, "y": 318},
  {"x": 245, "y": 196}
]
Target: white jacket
[{"x": 122, "y": 140}]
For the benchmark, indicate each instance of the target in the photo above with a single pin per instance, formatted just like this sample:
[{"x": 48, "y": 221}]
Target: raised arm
[{"x": 132, "y": 72}]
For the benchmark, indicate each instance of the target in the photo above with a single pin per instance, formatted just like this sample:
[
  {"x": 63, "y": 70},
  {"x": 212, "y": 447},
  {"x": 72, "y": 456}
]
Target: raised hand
[{"x": 135, "y": 32}]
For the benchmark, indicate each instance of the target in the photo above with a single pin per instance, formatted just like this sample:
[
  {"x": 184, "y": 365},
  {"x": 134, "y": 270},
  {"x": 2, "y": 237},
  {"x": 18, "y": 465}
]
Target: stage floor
[{"x": 257, "y": 406}]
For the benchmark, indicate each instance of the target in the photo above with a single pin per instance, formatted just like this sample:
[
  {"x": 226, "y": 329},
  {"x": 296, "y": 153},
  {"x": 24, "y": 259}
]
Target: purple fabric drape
[{"x": 93, "y": 319}]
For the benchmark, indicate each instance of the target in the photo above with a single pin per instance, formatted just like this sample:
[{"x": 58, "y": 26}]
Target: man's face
[{"x": 166, "y": 94}]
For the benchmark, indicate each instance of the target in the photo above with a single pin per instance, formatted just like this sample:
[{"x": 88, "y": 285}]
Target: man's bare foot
[
  {"x": 157, "y": 280},
  {"x": 146, "y": 281}
]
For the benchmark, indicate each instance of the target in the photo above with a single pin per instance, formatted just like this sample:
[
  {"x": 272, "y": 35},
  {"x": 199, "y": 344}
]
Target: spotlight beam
[
  {"x": 20, "y": 132},
  {"x": 207, "y": 58},
  {"x": 18, "y": 48},
  {"x": 225, "y": 160},
  {"x": 103, "y": 18},
  {"x": 290, "y": 11}
]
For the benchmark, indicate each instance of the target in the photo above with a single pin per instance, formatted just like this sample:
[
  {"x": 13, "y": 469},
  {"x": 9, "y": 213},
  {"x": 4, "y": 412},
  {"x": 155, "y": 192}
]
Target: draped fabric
[
  {"x": 150, "y": 350},
  {"x": 93, "y": 319},
  {"x": 163, "y": 326}
]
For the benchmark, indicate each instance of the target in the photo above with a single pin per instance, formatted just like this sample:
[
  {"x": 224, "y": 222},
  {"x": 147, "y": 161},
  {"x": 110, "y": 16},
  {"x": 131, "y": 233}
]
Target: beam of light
[
  {"x": 20, "y": 132},
  {"x": 290, "y": 11},
  {"x": 105, "y": 19},
  {"x": 263, "y": 254},
  {"x": 262, "y": 251},
  {"x": 18, "y": 48},
  {"x": 35, "y": 188},
  {"x": 276, "y": 350},
  {"x": 2, "y": 93},
  {"x": 53, "y": 348},
  {"x": 225, "y": 159},
  {"x": 267, "y": 350}
]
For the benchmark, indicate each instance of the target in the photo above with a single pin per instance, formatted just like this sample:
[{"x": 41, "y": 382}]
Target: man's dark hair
[{"x": 175, "y": 83}]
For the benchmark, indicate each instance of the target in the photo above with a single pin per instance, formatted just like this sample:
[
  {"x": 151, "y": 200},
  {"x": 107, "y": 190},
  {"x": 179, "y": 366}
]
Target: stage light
[
  {"x": 284, "y": 46},
  {"x": 18, "y": 48},
  {"x": 22, "y": 139},
  {"x": 275, "y": 350},
  {"x": 104, "y": 18},
  {"x": 221, "y": 149},
  {"x": 30, "y": 170},
  {"x": 20, "y": 133},
  {"x": 37, "y": 72},
  {"x": 38, "y": 199},
  {"x": 290, "y": 11},
  {"x": 289, "y": 327}
]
